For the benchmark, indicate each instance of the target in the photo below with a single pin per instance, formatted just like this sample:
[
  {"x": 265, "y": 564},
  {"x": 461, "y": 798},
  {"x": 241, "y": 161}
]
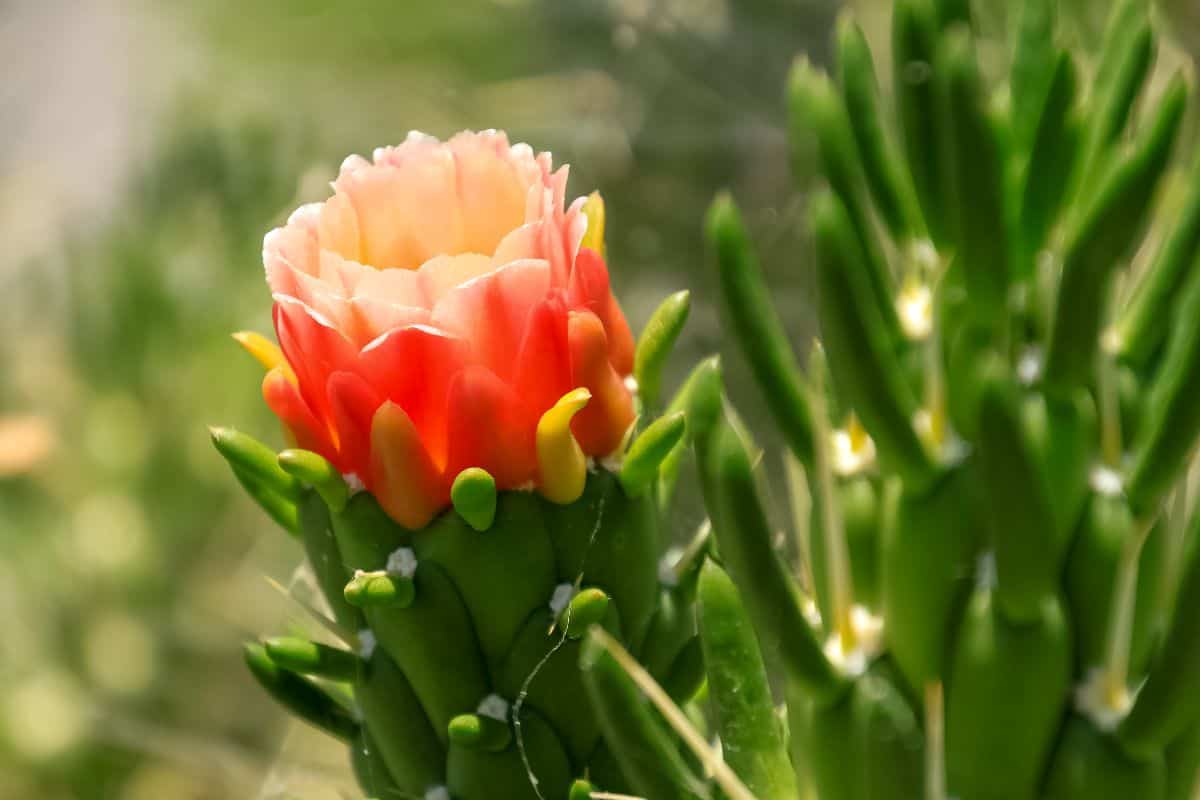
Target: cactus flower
[{"x": 433, "y": 309}]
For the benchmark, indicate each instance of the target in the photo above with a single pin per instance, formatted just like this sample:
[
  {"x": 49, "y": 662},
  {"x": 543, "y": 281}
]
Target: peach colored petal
[
  {"x": 337, "y": 229},
  {"x": 286, "y": 250},
  {"x": 491, "y": 189},
  {"x": 407, "y": 213},
  {"x": 440, "y": 274},
  {"x": 519, "y": 243},
  {"x": 387, "y": 238},
  {"x": 401, "y": 287},
  {"x": 374, "y": 318}
]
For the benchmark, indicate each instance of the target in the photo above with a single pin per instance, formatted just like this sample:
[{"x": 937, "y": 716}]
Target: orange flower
[{"x": 433, "y": 309}]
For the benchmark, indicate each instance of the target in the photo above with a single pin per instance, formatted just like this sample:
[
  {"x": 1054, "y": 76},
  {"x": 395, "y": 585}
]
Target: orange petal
[
  {"x": 601, "y": 426},
  {"x": 353, "y": 403},
  {"x": 314, "y": 348},
  {"x": 543, "y": 373},
  {"x": 413, "y": 367},
  {"x": 491, "y": 312},
  {"x": 403, "y": 478},
  {"x": 590, "y": 288},
  {"x": 284, "y": 399},
  {"x": 488, "y": 428}
]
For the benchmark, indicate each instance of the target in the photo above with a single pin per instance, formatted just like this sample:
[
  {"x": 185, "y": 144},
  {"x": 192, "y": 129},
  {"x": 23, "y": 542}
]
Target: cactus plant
[
  {"x": 995, "y": 429},
  {"x": 469, "y": 484}
]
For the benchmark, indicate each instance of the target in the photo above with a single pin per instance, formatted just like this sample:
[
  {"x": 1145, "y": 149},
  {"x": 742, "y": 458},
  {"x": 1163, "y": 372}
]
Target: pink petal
[
  {"x": 488, "y": 428},
  {"x": 353, "y": 404},
  {"x": 313, "y": 348},
  {"x": 589, "y": 289},
  {"x": 543, "y": 362},
  {"x": 412, "y": 367},
  {"x": 491, "y": 312}
]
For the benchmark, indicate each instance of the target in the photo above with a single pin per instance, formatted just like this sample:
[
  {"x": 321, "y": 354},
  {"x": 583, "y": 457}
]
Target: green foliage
[{"x": 1029, "y": 429}]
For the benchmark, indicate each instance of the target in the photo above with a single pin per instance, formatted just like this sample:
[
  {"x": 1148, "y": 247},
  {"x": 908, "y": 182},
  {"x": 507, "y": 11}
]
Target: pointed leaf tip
[
  {"x": 315, "y": 470},
  {"x": 655, "y": 344},
  {"x": 265, "y": 352},
  {"x": 640, "y": 470},
  {"x": 561, "y": 462}
]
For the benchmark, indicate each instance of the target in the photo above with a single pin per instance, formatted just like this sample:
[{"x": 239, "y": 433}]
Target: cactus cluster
[{"x": 998, "y": 586}]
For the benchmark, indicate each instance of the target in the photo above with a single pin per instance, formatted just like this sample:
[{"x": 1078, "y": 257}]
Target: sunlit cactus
[
  {"x": 479, "y": 481},
  {"x": 998, "y": 584}
]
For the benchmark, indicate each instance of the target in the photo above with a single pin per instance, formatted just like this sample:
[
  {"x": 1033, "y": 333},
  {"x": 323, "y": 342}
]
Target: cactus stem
[
  {"x": 836, "y": 555},
  {"x": 1120, "y": 633},
  {"x": 725, "y": 777},
  {"x": 935, "y": 742}
]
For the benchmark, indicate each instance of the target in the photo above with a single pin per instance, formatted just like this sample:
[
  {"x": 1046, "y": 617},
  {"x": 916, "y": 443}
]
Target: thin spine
[
  {"x": 837, "y": 559},
  {"x": 935, "y": 742},
  {"x": 1120, "y": 633},
  {"x": 724, "y": 776}
]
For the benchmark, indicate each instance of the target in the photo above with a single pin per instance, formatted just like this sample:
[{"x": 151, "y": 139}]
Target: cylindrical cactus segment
[
  {"x": 740, "y": 696},
  {"x": 1029, "y": 426}
]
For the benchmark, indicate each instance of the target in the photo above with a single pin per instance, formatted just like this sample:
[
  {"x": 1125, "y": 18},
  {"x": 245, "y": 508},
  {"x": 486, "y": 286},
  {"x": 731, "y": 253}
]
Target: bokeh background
[{"x": 145, "y": 147}]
